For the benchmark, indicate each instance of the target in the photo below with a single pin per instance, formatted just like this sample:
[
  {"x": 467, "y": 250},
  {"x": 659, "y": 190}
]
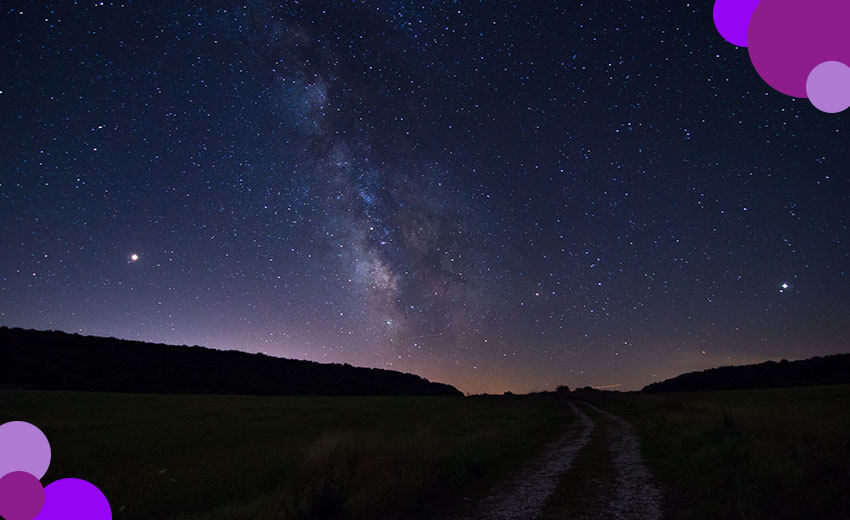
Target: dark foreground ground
[
  {"x": 747, "y": 454},
  {"x": 754, "y": 454},
  {"x": 261, "y": 457}
]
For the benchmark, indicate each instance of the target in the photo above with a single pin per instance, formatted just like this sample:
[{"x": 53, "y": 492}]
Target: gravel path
[
  {"x": 635, "y": 496},
  {"x": 523, "y": 498}
]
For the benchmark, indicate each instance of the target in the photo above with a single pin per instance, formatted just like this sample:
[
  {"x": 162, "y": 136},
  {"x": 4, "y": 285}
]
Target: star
[{"x": 134, "y": 257}]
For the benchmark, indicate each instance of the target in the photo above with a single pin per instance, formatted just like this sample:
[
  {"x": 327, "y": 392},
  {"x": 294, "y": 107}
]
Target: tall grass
[
  {"x": 751, "y": 454},
  {"x": 226, "y": 457}
]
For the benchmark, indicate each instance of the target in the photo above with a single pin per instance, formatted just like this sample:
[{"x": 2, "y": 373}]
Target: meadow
[
  {"x": 777, "y": 454},
  {"x": 749, "y": 454},
  {"x": 224, "y": 457}
]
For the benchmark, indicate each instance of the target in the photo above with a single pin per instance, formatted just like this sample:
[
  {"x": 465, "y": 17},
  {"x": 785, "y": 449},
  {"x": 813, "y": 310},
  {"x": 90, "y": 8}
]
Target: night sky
[{"x": 496, "y": 195}]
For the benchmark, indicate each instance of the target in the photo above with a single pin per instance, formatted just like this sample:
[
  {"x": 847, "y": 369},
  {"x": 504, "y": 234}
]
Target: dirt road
[
  {"x": 635, "y": 496},
  {"x": 624, "y": 488}
]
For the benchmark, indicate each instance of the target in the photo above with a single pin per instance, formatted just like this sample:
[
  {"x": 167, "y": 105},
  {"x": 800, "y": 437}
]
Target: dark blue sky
[{"x": 498, "y": 195}]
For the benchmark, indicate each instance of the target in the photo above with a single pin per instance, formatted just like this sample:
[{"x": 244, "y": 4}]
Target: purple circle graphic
[
  {"x": 74, "y": 499},
  {"x": 23, "y": 447},
  {"x": 789, "y": 38},
  {"x": 732, "y": 18},
  {"x": 828, "y": 87},
  {"x": 21, "y": 496}
]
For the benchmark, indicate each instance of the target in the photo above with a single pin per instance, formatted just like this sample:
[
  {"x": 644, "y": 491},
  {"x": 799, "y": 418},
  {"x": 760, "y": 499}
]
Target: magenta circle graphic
[
  {"x": 74, "y": 499},
  {"x": 732, "y": 18},
  {"x": 828, "y": 87},
  {"x": 787, "y": 39},
  {"x": 23, "y": 447},
  {"x": 21, "y": 496}
]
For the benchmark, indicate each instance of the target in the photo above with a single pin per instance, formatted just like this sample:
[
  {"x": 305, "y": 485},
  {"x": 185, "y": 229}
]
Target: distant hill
[
  {"x": 61, "y": 361},
  {"x": 828, "y": 370}
]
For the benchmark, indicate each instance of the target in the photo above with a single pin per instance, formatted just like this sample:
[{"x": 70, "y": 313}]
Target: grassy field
[
  {"x": 226, "y": 457},
  {"x": 749, "y": 455}
]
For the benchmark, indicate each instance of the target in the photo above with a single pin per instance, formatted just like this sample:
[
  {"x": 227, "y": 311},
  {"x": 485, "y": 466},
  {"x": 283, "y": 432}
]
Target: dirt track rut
[
  {"x": 635, "y": 496},
  {"x": 523, "y": 498}
]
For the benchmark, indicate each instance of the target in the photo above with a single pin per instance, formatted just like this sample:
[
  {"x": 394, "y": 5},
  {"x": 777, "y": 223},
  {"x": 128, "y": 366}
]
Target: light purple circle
[
  {"x": 21, "y": 496},
  {"x": 74, "y": 499},
  {"x": 828, "y": 87},
  {"x": 23, "y": 447},
  {"x": 789, "y": 38},
  {"x": 732, "y": 18}
]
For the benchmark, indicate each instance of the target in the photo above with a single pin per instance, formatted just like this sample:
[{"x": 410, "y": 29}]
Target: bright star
[{"x": 134, "y": 257}]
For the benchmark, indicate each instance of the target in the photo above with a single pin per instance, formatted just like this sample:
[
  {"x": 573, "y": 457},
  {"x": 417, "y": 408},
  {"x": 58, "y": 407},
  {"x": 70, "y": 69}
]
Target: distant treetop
[
  {"x": 60, "y": 361},
  {"x": 828, "y": 370}
]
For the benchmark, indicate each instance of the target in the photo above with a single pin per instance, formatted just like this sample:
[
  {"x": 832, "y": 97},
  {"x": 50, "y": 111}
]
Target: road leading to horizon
[{"x": 620, "y": 486}]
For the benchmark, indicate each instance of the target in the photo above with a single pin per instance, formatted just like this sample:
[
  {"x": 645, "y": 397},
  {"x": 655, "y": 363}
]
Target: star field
[{"x": 500, "y": 196}]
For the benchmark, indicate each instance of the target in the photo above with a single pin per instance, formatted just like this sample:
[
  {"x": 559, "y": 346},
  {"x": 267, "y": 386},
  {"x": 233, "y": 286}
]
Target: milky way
[{"x": 499, "y": 196}]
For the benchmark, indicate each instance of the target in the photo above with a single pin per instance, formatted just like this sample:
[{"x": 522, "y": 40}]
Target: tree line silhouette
[
  {"x": 60, "y": 361},
  {"x": 827, "y": 370}
]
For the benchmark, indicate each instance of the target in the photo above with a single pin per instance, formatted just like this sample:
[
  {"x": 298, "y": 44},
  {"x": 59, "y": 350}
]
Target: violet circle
[
  {"x": 828, "y": 87},
  {"x": 21, "y": 496},
  {"x": 732, "y": 18},
  {"x": 789, "y": 38},
  {"x": 23, "y": 447},
  {"x": 74, "y": 499}
]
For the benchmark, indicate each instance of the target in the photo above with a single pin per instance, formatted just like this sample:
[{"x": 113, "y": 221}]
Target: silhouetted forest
[
  {"x": 828, "y": 370},
  {"x": 60, "y": 361}
]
